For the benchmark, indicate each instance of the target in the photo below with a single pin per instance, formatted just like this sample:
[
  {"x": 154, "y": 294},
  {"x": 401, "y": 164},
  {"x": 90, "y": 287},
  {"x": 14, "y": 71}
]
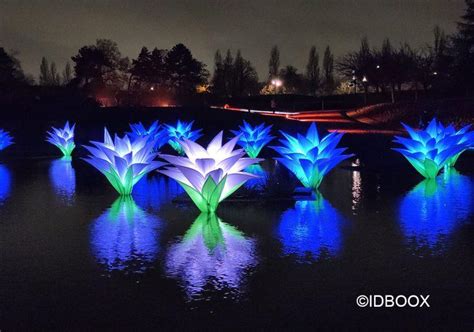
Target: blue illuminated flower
[
  {"x": 182, "y": 130},
  {"x": 253, "y": 139},
  {"x": 5, "y": 139},
  {"x": 310, "y": 158},
  {"x": 62, "y": 138},
  {"x": 431, "y": 149},
  {"x": 122, "y": 161},
  {"x": 155, "y": 132}
]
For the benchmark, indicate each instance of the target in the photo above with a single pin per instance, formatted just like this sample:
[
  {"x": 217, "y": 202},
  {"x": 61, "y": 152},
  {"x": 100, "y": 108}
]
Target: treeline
[{"x": 446, "y": 64}]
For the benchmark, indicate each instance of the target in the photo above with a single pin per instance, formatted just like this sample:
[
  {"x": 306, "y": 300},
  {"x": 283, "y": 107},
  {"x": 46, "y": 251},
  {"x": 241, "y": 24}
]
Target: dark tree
[
  {"x": 328, "y": 72},
  {"x": 218, "y": 80},
  {"x": 184, "y": 72},
  {"x": 293, "y": 82},
  {"x": 245, "y": 78},
  {"x": 45, "y": 73},
  {"x": 55, "y": 78},
  {"x": 274, "y": 62},
  {"x": 101, "y": 64},
  {"x": 228, "y": 73},
  {"x": 67, "y": 74},
  {"x": 140, "y": 70},
  {"x": 463, "y": 51},
  {"x": 312, "y": 71},
  {"x": 11, "y": 73}
]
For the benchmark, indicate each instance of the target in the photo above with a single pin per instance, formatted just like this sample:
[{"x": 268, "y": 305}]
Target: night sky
[{"x": 57, "y": 29}]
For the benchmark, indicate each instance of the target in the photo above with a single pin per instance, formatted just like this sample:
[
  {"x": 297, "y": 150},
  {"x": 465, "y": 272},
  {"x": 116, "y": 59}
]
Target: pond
[{"x": 75, "y": 256}]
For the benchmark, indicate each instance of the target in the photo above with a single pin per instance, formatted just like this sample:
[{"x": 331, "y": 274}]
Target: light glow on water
[
  {"x": 63, "y": 179},
  {"x": 125, "y": 238},
  {"x": 5, "y": 183},
  {"x": 433, "y": 209},
  {"x": 212, "y": 254},
  {"x": 311, "y": 230}
]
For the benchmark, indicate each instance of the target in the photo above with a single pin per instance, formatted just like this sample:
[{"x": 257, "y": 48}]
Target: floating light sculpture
[
  {"x": 433, "y": 209},
  {"x": 125, "y": 238},
  {"x": 63, "y": 138},
  {"x": 5, "y": 139},
  {"x": 253, "y": 139},
  {"x": 63, "y": 178},
  {"x": 182, "y": 130},
  {"x": 311, "y": 230},
  {"x": 310, "y": 158},
  {"x": 155, "y": 132},
  {"x": 431, "y": 149},
  {"x": 123, "y": 162},
  {"x": 209, "y": 175},
  {"x": 211, "y": 253}
]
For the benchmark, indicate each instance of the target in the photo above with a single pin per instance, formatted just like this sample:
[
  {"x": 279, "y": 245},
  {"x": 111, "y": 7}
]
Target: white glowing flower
[{"x": 209, "y": 175}]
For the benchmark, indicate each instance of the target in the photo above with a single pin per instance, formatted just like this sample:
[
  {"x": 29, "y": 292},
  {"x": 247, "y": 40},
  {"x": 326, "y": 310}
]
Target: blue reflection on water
[
  {"x": 212, "y": 254},
  {"x": 434, "y": 208},
  {"x": 63, "y": 178},
  {"x": 125, "y": 238},
  {"x": 5, "y": 183},
  {"x": 259, "y": 182},
  {"x": 311, "y": 230},
  {"x": 153, "y": 191}
]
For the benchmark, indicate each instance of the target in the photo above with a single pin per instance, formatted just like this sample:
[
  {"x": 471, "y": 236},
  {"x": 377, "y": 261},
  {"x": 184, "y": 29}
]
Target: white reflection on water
[
  {"x": 125, "y": 238},
  {"x": 434, "y": 208},
  {"x": 63, "y": 179},
  {"x": 212, "y": 254}
]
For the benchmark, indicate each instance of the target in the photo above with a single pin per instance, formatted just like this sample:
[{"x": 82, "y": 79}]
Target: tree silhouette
[
  {"x": 45, "y": 73},
  {"x": 312, "y": 71},
  {"x": 101, "y": 64},
  {"x": 328, "y": 72},
  {"x": 184, "y": 73},
  {"x": 274, "y": 62},
  {"x": 11, "y": 74}
]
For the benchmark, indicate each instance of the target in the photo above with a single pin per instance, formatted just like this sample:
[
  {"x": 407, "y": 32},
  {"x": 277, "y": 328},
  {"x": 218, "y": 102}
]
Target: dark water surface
[{"x": 74, "y": 256}]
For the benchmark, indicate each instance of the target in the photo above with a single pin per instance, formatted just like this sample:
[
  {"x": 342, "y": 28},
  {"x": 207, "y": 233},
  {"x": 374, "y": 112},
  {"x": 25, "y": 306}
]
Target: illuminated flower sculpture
[
  {"x": 5, "y": 139},
  {"x": 182, "y": 130},
  {"x": 122, "y": 161},
  {"x": 209, "y": 175},
  {"x": 63, "y": 138},
  {"x": 154, "y": 132},
  {"x": 253, "y": 139},
  {"x": 310, "y": 158},
  {"x": 431, "y": 149}
]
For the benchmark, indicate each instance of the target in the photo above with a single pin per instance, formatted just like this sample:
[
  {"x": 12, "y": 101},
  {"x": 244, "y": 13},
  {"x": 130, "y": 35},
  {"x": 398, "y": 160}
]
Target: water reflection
[
  {"x": 63, "y": 178},
  {"x": 434, "y": 208},
  {"x": 356, "y": 186},
  {"x": 259, "y": 182},
  {"x": 153, "y": 191},
  {"x": 211, "y": 254},
  {"x": 311, "y": 230},
  {"x": 125, "y": 237},
  {"x": 5, "y": 183}
]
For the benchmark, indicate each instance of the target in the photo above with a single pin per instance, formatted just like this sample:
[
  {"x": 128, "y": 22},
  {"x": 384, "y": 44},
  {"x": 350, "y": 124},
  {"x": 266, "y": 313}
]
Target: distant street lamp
[
  {"x": 364, "y": 82},
  {"x": 276, "y": 82},
  {"x": 152, "y": 88}
]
